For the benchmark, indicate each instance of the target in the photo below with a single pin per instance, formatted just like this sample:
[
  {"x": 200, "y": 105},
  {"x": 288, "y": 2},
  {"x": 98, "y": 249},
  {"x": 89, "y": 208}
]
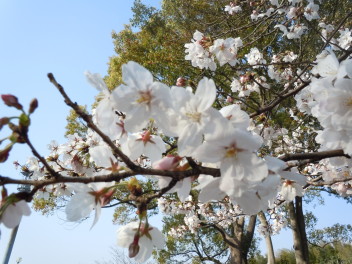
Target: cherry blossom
[
  {"x": 194, "y": 115},
  {"x": 141, "y": 98},
  {"x": 225, "y": 50},
  {"x": 11, "y": 212},
  {"x": 237, "y": 117},
  {"x": 87, "y": 198},
  {"x": 255, "y": 57},
  {"x": 140, "y": 239},
  {"x": 104, "y": 114},
  {"x": 198, "y": 52},
  {"x": 151, "y": 146},
  {"x": 232, "y": 8},
  {"x": 239, "y": 166}
]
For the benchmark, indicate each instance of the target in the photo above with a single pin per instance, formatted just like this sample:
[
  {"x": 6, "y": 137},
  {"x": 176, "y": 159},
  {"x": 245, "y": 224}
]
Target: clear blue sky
[{"x": 67, "y": 38}]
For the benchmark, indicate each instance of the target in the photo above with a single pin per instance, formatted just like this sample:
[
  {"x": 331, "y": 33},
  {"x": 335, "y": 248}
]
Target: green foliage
[
  {"x": 286, "y": 256},
  {"x": 191, "y": 246},
  {"x": 45, "y": 206},
  {"x": 337, "y": 253},
  {"x": 74, "y": 123},
  {"x": 330, "y": 235}
]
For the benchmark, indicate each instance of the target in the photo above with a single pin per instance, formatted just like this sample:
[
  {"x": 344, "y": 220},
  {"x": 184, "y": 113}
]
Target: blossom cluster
[
  {"x": 177, "y": 128},
  {"x": 202, "y": 51},
  {"x": 329, "y": 99}
]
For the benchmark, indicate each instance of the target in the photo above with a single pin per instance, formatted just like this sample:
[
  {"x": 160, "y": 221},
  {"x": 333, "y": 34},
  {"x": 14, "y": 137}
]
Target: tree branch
[{"x": 88, "y": 119}]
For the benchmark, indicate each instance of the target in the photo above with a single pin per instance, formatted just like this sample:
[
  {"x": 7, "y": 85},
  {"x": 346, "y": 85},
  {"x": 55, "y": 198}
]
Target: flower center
[
  {"x": 145, "y": 97},
  {"x": 231, "y": 152},
  {"x": 348, "y": 102},
  {"x": 194, "y": 116}
]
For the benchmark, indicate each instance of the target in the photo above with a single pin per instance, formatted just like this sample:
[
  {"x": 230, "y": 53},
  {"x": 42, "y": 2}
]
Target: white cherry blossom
[
  {"x": 87, "y": 198},
  {"x": 194, "y": 115},
  {"x": 141, "y": 99},
  {"x": 11, "y": 212},
  {"x": 233, "y": 150},
  {"x": 140, "y": 240},
  {"x": 151, "y": 146}
]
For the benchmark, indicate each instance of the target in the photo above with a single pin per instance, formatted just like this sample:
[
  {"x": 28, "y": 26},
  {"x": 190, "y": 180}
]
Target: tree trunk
[
  {"x": 302, "y": 227},
  {"x": 268, "y": 242},
  {"x": 236, "y": 253},
  {"x": 242, "y": 239},
  {"x": 298, "y": 243}
]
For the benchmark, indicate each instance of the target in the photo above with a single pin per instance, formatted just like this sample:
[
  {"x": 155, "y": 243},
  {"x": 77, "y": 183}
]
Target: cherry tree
[{"x": 211, "y": 145}]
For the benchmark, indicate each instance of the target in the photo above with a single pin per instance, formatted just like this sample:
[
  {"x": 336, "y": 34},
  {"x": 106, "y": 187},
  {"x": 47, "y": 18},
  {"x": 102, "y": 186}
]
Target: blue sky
[{"x": 67, "y": 38}]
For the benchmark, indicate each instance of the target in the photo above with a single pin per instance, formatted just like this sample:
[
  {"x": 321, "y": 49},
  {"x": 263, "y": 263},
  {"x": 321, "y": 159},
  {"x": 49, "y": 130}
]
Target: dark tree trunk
[
  {"x": 299, "y": 234},
  {"x": 242, "y": 239}
]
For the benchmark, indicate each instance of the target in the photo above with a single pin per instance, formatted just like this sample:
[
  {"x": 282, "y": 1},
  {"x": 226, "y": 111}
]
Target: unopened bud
[
  {"x": 4, "y": 154},
  {"x": 33, "y": 105},
  {"x": 4, "y": 121},
  {"x": 11, "y": 100},
  {"x": 133, "y": 249},
  {"x": 181, "y": 81},
  {"x": 168, "y": 162},
  {"x": 229, "y": 100}
]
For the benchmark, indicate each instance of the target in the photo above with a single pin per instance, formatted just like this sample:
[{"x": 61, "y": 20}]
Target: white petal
[
  {"x": 101, "y": 155},
  {"x": 136, "y": 75},
  {"x": 97, "y": 215},
  {"x": 205, "y": 94},
  {"x": 184, "y": 190},
  {"x": 80, "y": 206},
  {"x": 158, "y": 238},
  {"x": 125, "y": 234},
  {"x": 275, "y": 164},
  {"x": 145, "y": 249}
]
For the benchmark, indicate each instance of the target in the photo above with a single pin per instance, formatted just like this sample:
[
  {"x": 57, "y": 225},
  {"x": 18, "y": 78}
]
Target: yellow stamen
[
  {"x": 195, "y": 116},
  {"x": 145, "y": 97}
]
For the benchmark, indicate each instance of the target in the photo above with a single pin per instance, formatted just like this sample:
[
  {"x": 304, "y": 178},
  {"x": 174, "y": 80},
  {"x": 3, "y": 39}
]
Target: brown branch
[
  {"x": 228, "y": 239},
  {"x": 333, "y": 181},
  {"x": 177, "y": 175},
  {"x": 278, "y": 100},
  {"x": 315, "y": 156},
  {"x": 286, "y": 93},
  {"x": 88, "y": 119},
  {"x": 36, "y": 153},
  {"x": 336, "y": 29}
]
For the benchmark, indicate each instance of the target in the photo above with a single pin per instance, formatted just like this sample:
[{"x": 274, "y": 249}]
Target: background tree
[{"x": 159, "y": 46}]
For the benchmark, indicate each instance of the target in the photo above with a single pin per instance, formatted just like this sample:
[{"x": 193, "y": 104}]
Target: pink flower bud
[
  {"x": 229, "y": 100},
  {"x": 169, "y": 162},
  {"x": 11, "y": 100},
  {"x": 4, "y": 121},
  {"x": 33, "y": 105},
  {"x": 4, "y": 154},
  {"x": 133, "y": 249},
  {"x": 181, "y": 82}
]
